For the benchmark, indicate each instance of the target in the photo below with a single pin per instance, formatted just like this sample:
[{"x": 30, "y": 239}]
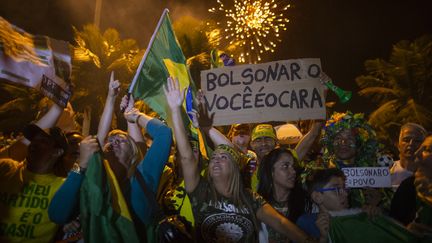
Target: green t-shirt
[{"x": 221, "y": 220}]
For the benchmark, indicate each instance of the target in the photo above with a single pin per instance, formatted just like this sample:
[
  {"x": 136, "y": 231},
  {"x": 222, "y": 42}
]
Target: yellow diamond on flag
[{"x": 178, "y": 70}]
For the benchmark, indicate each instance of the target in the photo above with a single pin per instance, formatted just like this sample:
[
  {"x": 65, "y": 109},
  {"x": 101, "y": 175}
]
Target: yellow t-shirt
[{"x": 24, "y": 201}]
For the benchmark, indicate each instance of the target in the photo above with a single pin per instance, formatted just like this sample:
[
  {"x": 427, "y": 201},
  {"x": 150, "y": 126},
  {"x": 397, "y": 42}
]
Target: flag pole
[{"x": 134, "y": 80}]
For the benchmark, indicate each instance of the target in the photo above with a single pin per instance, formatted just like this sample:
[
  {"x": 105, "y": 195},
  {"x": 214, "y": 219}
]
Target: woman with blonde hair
[
  {"x": 224, "y": 210},
  {"x": 125, "y": 160}
]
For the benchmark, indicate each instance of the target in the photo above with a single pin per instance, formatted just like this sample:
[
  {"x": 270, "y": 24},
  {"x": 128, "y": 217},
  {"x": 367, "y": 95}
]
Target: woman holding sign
[{"x": 223, "y": 209}]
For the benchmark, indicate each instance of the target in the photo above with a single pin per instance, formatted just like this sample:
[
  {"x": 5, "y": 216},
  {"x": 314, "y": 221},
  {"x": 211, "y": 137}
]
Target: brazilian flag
[
  {"x": 359, "y": 228},
  {"x": 163, "y": 58},
  {"x": 104, "y": 216}
]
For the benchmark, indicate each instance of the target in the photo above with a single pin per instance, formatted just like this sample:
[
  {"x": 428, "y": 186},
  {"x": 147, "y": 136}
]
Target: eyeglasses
[
  {"x": 117, "y": 139},
  {"x": 339, "y": 190}
]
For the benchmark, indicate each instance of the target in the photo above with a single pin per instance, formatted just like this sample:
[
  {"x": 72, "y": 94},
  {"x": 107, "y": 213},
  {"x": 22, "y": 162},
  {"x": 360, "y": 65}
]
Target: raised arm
[
  {"x": 87, "y": 116},
  {"x": 107, "y": 114},
  {"x": 133, "y": 128},
  {"x": 218, "y": 138},
  {"x": 18, "y": 150},
  {"x": 152, "y": 166},
  {"x": 203, "y": 121},
  {"x": 51, "y": 117},
  {"x": 307, "y": 140},
  {"x": 64, "y": 206},
  {"x": 189, "y": 164}
]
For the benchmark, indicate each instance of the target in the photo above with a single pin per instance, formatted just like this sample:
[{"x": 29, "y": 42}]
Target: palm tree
[
  {"x": 401, "y": 86},
  {"x": 191, "y": 34},
  {"x": 19, "y": 106},
  {"x": 95, "y": 55}
]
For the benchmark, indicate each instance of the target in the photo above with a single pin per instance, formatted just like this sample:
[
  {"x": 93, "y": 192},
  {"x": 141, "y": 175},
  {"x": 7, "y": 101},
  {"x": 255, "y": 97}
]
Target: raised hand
[
  {"x": 114, "y": 86},
  {"x": 323, "y": 224},
  {"x": 86, "y": 121},
  {"x": 194, "y": 117},
  {"x": 127, "y": 102},
  {"x": 88, "y": 146},
  {"x": 131, "y": 114},
  {"x": 205, "y": 119},
  {"x": 173, "y": 94},
  {"x": 200, "y": 97}
]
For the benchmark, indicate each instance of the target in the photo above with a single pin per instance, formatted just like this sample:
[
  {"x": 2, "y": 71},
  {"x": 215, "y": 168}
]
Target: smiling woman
[{"x": 224, "y": 210}]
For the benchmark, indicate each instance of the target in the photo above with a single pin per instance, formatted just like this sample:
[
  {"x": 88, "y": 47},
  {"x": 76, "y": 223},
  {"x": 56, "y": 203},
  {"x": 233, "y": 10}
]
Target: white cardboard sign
[
  {"x": 287, "y": 90},
  {"x": 359, "y": 177}
]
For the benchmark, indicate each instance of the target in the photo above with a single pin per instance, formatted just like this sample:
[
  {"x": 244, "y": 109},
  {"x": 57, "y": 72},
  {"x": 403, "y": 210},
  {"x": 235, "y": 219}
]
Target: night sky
[{"x": 343, "y": 33}]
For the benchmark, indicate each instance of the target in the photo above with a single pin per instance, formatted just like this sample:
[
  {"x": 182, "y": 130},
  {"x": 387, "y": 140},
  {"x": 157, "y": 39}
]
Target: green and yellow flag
[
  {"x": 359, "y": 228},
  {"x": 163, "y": 58},
  {"x": 104, "y": 214}
]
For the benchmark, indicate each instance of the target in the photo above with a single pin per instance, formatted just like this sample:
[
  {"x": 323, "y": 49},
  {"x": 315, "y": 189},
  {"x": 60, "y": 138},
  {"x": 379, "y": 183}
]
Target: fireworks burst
[{"x": 252, "y": 25}]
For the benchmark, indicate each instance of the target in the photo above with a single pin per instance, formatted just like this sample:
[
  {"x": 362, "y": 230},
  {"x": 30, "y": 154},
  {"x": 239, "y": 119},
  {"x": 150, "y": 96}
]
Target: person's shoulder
[{"x": 395, "y": 167}]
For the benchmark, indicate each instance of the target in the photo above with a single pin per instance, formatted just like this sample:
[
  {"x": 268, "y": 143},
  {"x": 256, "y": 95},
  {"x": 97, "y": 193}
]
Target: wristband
[
  {"x": 78, "y": 169},
  {"x": 137, "y": 118}
]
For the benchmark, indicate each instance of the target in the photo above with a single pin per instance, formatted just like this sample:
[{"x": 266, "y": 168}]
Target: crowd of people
[{"x": 242, "y": 186}]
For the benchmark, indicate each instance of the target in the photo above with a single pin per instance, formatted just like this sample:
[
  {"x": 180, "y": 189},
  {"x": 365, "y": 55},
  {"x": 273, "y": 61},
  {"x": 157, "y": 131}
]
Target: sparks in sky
[{"x": 252, "y": 25}]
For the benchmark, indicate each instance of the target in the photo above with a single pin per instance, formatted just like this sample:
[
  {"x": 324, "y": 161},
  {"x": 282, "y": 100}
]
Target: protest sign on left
[{"x": 34, "y": 61}]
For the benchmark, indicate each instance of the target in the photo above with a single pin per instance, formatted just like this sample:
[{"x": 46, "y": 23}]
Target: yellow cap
[{"x": 263, "y": 130}]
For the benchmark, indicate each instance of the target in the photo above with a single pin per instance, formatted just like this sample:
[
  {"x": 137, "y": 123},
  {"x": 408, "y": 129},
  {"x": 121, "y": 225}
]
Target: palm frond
[
  {"x": 414, "y": 112},
  {"x": 365, "y": 81},
  {"x": 381, "y": 94},
  {"x": 203, "y": 58},
  {"x": 384, "y": 114},
  {"x": 402, "y": 85},
  {"x": 21, "y": 104},
  {"x": 379, "y": 91}
]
